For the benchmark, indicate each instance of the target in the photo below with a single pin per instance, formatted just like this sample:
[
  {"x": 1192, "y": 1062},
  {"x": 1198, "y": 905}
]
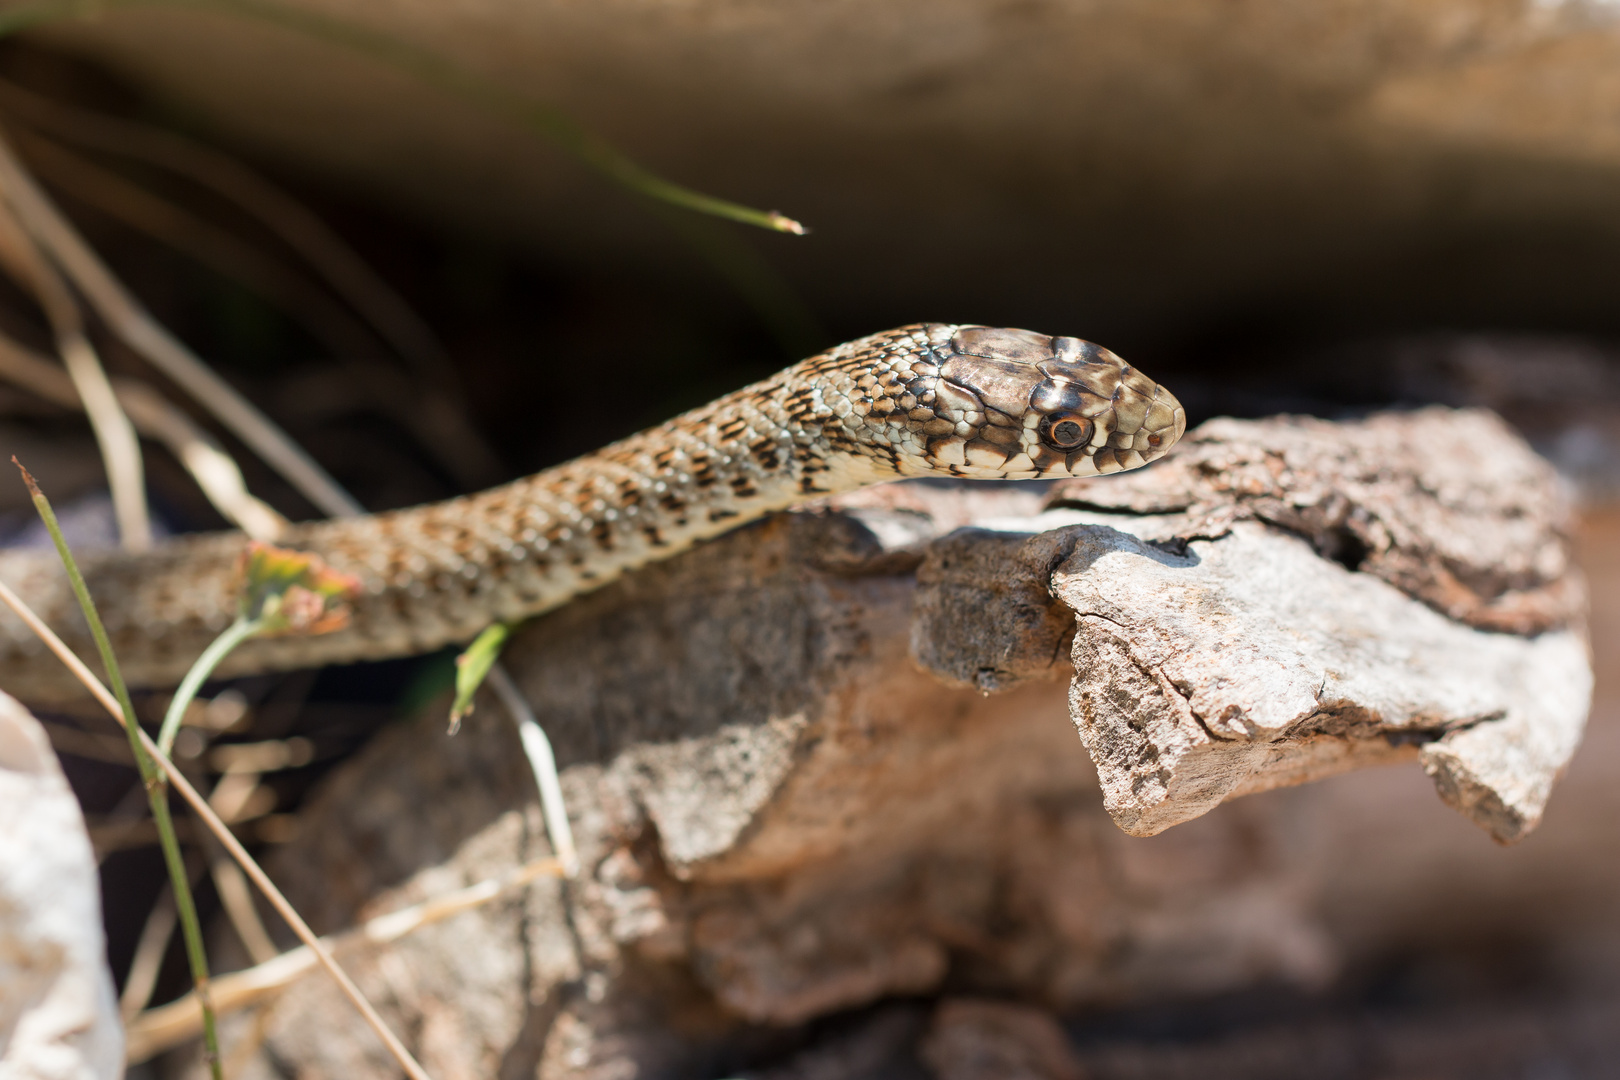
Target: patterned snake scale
[{"x": 922, "y": 400}]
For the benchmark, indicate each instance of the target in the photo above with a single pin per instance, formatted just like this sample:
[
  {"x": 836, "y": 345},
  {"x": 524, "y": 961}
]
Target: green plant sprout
[
  {"x": 472, "y": 667},
  {"x": 279, "y": 591}
]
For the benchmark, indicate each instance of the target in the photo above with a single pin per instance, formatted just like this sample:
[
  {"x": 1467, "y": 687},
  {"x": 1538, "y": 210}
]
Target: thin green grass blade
[{"x": 157, "y": 789}]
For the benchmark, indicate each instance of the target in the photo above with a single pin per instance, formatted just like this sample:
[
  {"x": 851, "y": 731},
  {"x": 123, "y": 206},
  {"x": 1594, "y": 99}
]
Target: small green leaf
[{"x": 473, "y": 665}]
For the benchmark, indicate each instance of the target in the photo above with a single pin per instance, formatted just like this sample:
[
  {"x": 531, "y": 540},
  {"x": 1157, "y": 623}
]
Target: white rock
[{"x": 58, "y": 1015}]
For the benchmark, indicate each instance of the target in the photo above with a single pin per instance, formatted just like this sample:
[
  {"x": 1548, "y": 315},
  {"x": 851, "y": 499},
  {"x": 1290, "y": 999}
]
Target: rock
[
  {"x": 783, "y": 816},
  {"x": 1450, "y": 506},
  {"x": 1538, "y": 1038},
  {"x": 1360, "y": 159},
  {"x": 984, "y": 613},
  {"x": 1561, "y": 393},
  {"x": 1217, "y": 656},
  {"x": 833, "y": 766},
  {"x": 58, "y": 1014},
  {"x": 879, "y": 1046},
  {"x": 990, "y": 1040},
  {"x": 1248, "y": 662}
]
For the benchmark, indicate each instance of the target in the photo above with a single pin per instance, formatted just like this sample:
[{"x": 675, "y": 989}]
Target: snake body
[{"x": 922, "y": 400}]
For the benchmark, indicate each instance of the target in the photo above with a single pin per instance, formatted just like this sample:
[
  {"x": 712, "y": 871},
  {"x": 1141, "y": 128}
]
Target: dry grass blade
[
  {"x": 326, "y": 252},
  {"x": 86, "y": 744},
  {"x": 200, "y": 806},
  {"x": 434, "y": 419},
  {"x": 149, "y": 953},
  {"x": 445, "y": 74},
  {"x": 214, "y": 470},
  {"x": 214, "y": 247},
  {"x": 237, "y": 899},
  {"x": 543, "y": 763},
  {"x": 249, "y": 1043},
  {"x": 109, "y": 837},
  {"x": 234, "y": 894},
  {"x": 120, "y": 818},
  {"x": 153, "y": 945},
  {"x": 169, "y": 1025},
  {"x": 120, "y": 450},
  {"x": 129, "y": 320},
  {"x": 155, "y": 417}
]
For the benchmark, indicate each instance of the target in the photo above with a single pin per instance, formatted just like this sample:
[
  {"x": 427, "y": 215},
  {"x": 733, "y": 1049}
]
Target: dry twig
[
  {"x": 150, "y": 949},
  {"x": 326, "y": 252},
  {"x": 155, "y": 417},
  {"x": 86, "y": 744},
  {"x": 237, "y": 899},
  {"x": 169, "y": 1025},
  {"x": 434, "y": 419},
  {"x": 200, "y": 805},
  {"x": 439, "y": 415},
  {"x": 129, "y": 320},
  {"x": 120, "y": 450}
]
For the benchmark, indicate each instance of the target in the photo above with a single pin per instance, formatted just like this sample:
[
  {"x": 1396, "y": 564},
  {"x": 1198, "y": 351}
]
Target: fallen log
[{"x": 825, "y": 761}]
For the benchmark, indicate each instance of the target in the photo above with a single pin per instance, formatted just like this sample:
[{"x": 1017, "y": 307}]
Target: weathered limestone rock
[
  {"x": 1218, "y": 656},
  {"x": 1448, "y": 506},
  {"x": 1248, "y": 662},
  {"x": 1149, "y": 168},
  {"x": 991, "y": 1040},
  {"x": 827, "y": 760},
  {"x": 1569, "y": 1038},
  {"x": 783, "y": 817},
  {"x": 58, "y": 1015}
]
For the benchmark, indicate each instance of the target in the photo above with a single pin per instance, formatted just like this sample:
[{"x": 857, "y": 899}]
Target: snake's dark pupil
[{"x": 1067, "y": 433}]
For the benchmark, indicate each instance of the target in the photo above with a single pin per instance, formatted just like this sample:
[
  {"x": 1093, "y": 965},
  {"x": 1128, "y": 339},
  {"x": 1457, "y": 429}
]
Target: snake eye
[{"x": 1066, "y": 431}]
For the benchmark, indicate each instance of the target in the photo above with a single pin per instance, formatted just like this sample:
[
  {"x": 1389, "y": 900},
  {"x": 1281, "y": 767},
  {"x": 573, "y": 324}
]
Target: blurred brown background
[{"x": 1321, "y": 207}]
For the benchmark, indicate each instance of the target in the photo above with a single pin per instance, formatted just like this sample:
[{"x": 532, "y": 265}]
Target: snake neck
[{"x": 531, "y": 545}]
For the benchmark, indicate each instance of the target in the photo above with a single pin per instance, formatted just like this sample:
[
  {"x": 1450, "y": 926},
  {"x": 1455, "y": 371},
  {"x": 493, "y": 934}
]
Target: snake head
[{"x": 1012, "y": 404}]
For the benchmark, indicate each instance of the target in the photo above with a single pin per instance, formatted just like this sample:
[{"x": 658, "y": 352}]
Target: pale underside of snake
[{"x": 924, "y": 400}]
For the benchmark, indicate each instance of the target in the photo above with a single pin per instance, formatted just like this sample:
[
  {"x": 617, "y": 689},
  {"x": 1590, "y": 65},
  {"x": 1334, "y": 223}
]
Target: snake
[{"x": 925, "y": 400}]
